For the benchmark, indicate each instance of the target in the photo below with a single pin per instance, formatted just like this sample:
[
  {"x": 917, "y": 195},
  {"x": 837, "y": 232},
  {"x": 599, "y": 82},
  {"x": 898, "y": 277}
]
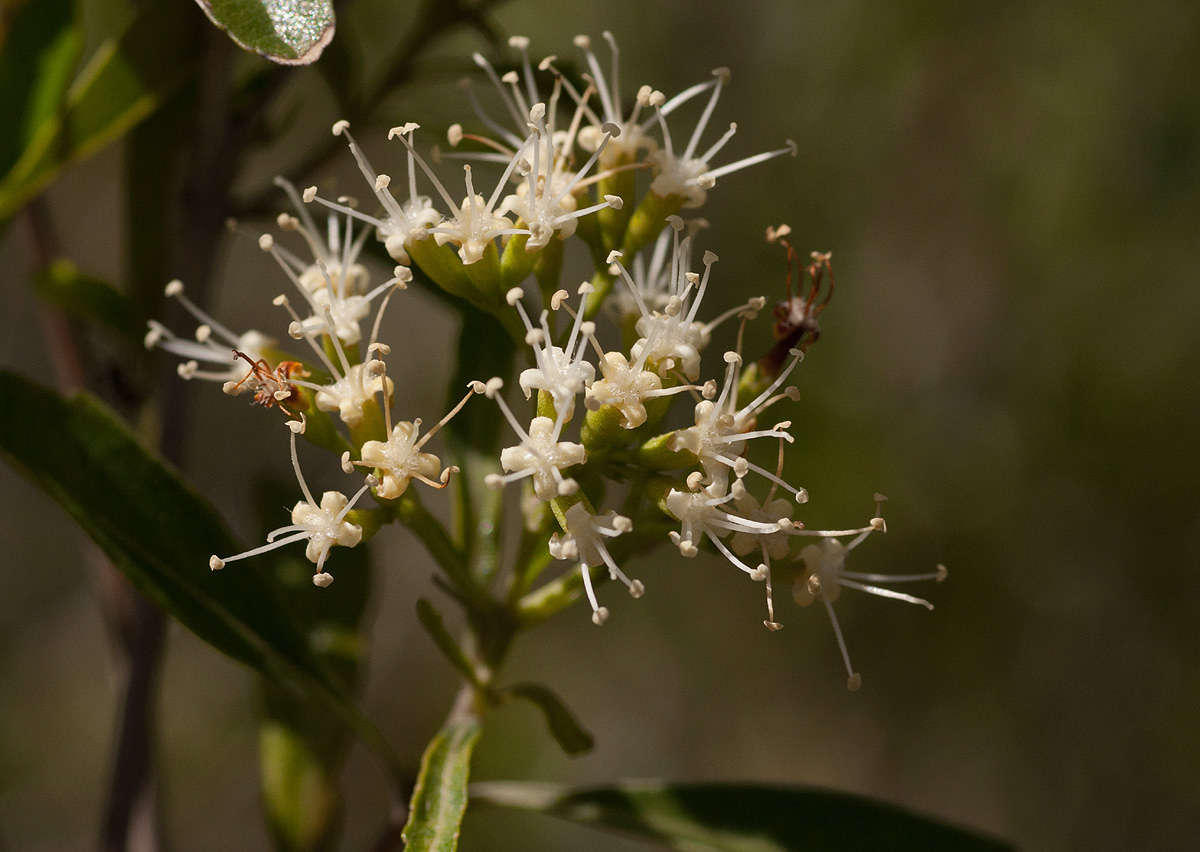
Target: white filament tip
[
  {"x": 676, "y": 222},
  {"x": 173, "y": 288},
  {"x": 297, "y": 427},
  {"x": 266, "y": 242},
  {"x": 340, "y": 127},
  {"x": 520, "y": 42},
  {"x": 942, "y": 573},
  {"x": 878, "y": 524},
  {"x": 215, "y": 563},
  {"x": 568, "y": 487},
  {"x": 613, "y": 256},
  {"x": 322, "y": 580},
  {"x": 203, "y": 333},
  {"x": 636, "y": 589},
  {"x": 614, "y": 201},
  {"x": 854, "y": 682},
  {"x": 494, "y": 480},
  {"x": 759, "y": 574},
  {"x": 772, "y": 625},
  {"x": 710, "y": 257},
  {"x": 600, "y": 616},
  {"x": 514, "y": 295},
  {"x": 454, "y": 135},
  {"x": 477, "y": 386},
  {"x": 230, "y": 388},
  {"x": 557, "y": 298},
  {"x": 582, "y": 42},
  {"x": 309, "y": 194},
  {"x": 382, "y": 182},
  {"x": 347, "y": 465}
]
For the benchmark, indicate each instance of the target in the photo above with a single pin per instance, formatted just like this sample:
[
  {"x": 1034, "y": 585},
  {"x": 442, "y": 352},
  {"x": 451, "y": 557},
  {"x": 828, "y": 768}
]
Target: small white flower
[
  {"x": 774, "y": 545},
  {"x": 671, "y": 335},
  {"x": 323, "y": 525},
  {"x": 584, "y": 541},
  {"x": 336, "y": 306},
  {"x": 540, "y": 454},
  {"x": 826, "y": 576},
  {"x": 688, "y": 173},
  {"x": 701, "y": 516},
  {"x": 399, "y": 458},
  {"x": 213, "y": 344},
  {"x": 562, "y": 371},
  {"x": 545, "y": 200},
  {"x": 400, "y": 223},
  {"x": 352, "y": 386},
  {"x": 633, "y": 137},
  {"x": 721, "y": 429}
]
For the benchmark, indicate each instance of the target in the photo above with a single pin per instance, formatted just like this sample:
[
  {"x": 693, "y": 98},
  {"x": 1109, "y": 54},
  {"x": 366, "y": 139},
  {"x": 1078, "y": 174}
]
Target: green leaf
[
  {"x": 440, "y": 797},
  {"x": 125, "y": 80},
  {"x": 38, "y": 56},
  {"x": 431, "y": 620},
  {"x": 564, "y": 726},
  {"x": 160, "y": 533},
  {"x": 736, "y": 817},
  {"x": 291, "y": 32},
  {"x": 90, "y": 299}
]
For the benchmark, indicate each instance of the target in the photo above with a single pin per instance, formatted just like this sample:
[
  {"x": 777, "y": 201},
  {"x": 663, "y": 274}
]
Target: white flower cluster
[{"x": 572, "y": 164}]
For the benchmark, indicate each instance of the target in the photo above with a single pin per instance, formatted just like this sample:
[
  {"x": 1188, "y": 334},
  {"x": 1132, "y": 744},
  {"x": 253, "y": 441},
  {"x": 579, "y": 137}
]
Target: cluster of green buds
[{"x": 629, "y": 342}]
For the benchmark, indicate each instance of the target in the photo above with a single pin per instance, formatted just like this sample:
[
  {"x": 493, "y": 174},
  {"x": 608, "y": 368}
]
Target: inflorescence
[{"x": 572, "y": 161}]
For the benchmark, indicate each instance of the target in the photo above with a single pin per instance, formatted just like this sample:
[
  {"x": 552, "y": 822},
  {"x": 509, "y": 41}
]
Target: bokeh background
[{"x": 1012, "y": 196}]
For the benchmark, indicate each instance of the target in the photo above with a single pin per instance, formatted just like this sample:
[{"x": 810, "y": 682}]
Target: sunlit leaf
[
  {"x": 735, "y": 817},
  {"x": 292, "y": 32}
]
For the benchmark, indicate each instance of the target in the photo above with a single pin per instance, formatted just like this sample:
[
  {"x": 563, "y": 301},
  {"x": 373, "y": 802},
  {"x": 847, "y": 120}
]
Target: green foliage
[
  {"x": 127, "y": 78},
  {"x": 564, "y": 726},
  {"x": 734, "y": 817},
  {"x": 159, "y": 533},
  {"x": 90, "y": 299},
  {"x": 291, "y": 33},
  {"x": 440, "y": 797},
  {"x": 38, "y": 56}
]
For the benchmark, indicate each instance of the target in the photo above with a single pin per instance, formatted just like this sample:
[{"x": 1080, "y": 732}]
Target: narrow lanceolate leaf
[
  {"x": 89, "y": 299},
  {"x": 124, "y": 81},
  {"x": 160, "y": 533},
  {"x": 564, "y": 726},
  {"x": 736, "y": 817},
  {"x": 292, "y": 32},
  {"x": 440, "y": 798}
]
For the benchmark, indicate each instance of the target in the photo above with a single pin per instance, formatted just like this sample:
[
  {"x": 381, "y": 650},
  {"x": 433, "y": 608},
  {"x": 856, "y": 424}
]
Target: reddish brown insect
[
  {"x": 271, "y": 387},
  {"x": 796, "y": 325}
]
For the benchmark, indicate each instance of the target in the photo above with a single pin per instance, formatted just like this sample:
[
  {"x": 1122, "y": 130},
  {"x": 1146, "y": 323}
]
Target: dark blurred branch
[{"x": 135, "y": 625}]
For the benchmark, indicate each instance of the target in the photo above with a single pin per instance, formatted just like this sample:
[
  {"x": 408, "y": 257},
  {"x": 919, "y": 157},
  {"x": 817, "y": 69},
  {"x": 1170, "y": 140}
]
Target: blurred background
[{"x": 1012, "y": 197}]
